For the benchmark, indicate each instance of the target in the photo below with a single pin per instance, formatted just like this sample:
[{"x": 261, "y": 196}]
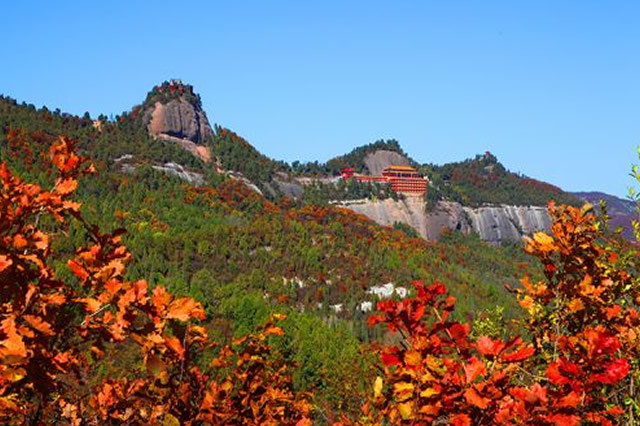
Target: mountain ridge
[{"x": 172, "y": 112}]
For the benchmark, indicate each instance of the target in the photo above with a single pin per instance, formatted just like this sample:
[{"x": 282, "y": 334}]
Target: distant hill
[
  {"x": 621, "y": 211},
  {"x": 372, "y": 158},
  {"x": 170, "y": 132},
  {"x": 484, "y": 180}
]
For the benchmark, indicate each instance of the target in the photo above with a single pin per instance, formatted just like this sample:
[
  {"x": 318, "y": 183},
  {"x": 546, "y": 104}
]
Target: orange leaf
[
  {"x": 274, "y": 331},
  {"x": 77, "y": 269},
  {"x": 161, "y": 298},
  {"x": 39, "y": 324},
  {"x": 613, "y": 311},
  {"x": 19, "y": 241},
  {"x": 413, "y": 358},
  {"x": 112, "y": 286},
  {"x": 97, "y": 351},
  {"x": 461, "y": 420},
  {"x": 13, "y": 346},
  {"x": 71, "y": 205},
  {"x": 67, "y": 186},
  {"x": 5, "y": 262},
  {"x": 184, "y": 309},
  {"x": 92, "y": 305},
  {"x": 575, "y": 305},
  {"x": 174, "y": 344},
  {"x": 545, "y": 243},
  {"x": 42, "y": 240}
]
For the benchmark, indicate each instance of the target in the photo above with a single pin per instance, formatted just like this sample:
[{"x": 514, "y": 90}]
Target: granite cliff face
[
  {"x": 494, "y": 224},
  {"x": 378, "y": 160},
  {"x": 507, "y": 223},
  {"x": 179, "y": 119},
  {"x": 173, "y": 111},
  {"x": 387, "y": 212}
]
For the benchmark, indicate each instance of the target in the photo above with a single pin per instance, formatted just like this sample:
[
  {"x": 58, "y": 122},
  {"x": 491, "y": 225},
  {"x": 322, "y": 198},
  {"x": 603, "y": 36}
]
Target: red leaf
[
  {"x": 570, "y": 400},
  {"x": 375, "y": 319},
  {"x": 557, "y": 371},
  {"x": 459, "y": 331},
  {"x": 488, "y": 347},
  {"x": 532, "y": 395},
  {"x": 615, "y": 371},
  {"x": 615, "y": 411},
  {"x": 519, "y": 355},
  {"x": 417, "y": 315},
  {"x": 564, "y": 420},
  {"x": 19, "y": 241},
  {"x": 473, "y": 369},
  {"x": 390, "y": 359},
  {"x": 474, "y": 398}
]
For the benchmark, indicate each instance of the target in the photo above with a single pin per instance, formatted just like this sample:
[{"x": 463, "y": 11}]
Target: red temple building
[{"x": 404, "y": 179}]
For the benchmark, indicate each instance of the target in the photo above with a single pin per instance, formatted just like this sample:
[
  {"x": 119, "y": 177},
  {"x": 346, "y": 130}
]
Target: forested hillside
[
  {"x": 84, "y": 338},
  {"x": 242, "y": 256},
  {"x": 484, "y": 180}
]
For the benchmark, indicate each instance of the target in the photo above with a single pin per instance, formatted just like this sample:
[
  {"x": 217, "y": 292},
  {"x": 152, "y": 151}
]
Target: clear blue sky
[{"x": 551, "y": 88}]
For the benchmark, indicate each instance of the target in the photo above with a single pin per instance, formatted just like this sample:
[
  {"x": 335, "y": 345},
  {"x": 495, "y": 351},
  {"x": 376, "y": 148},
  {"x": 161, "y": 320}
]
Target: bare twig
[{"x": 102, "y": 308}]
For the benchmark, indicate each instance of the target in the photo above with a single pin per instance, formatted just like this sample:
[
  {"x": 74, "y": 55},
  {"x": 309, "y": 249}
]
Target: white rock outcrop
[{"x": 494, "y": 224}]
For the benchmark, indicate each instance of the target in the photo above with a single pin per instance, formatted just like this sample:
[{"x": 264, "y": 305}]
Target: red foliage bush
[
  {"x": 52, "y": 331},
  {"x": 584, "y": 328}
]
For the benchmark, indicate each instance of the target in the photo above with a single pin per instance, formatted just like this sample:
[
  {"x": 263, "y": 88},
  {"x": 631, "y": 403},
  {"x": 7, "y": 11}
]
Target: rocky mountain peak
[{"x": 173, "y": 111}]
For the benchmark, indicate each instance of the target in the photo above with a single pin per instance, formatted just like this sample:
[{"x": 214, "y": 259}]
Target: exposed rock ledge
[
  {"x": 182, "y": 122},
  {"x": 178, "y": 118},
  {"x": 494, "y": 224}
]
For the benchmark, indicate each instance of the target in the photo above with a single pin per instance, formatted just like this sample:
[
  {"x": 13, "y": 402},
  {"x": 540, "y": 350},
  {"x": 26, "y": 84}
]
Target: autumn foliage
[
  {"x": 578, "y": 368},
  {"x": 437, "y": 372},
  {"x": 62, "y": 313},
  {"x": 52, "y": 330}
]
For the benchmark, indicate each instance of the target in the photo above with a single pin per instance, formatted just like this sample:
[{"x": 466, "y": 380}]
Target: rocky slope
[{"x": 494, "y": 224}]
